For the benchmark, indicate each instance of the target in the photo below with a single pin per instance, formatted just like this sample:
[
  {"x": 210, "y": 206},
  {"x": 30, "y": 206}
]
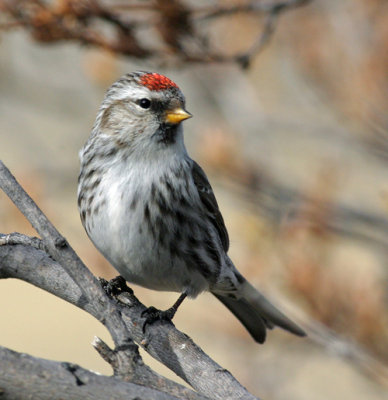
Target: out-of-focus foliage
[
  {"x": 156, "y": 29},
  {"x": 348, "y": 58}
]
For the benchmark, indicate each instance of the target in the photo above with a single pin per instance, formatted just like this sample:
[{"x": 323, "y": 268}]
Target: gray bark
[{"x": 25, "y": 377}]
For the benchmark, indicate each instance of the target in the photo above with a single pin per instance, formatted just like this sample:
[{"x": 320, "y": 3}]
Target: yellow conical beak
[{"x": 177, "y": 115}]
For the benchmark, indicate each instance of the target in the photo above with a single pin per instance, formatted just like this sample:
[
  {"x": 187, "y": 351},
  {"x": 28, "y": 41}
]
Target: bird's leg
[
  {"x": 174, "y": 308},
  {"x": 152, "y": 314}
]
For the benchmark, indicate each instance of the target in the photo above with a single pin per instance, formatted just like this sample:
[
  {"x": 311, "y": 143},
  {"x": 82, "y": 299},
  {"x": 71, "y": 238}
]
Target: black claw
[
  {"x": 152, "y": 314},
  {"x": 115, "y": 286}
]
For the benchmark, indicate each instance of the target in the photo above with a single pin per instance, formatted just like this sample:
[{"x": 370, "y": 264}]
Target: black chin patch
[{"x": 166, "y": 133}]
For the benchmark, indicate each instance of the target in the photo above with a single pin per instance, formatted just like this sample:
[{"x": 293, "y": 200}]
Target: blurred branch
[
  {"x": 280, "y": 203},
  {"x": 59, "y": 271},
  {"x": 376, "y": 141},
  {"x": 272, "y": 11},
  {"x": 262, "y": 40},
  {"x": 120, "y": 28},
  {"x": 349, "y": 350},
  {"x": 257, "y": 7}
]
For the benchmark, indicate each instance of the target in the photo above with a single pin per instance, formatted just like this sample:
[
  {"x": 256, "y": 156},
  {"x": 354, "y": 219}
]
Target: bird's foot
[
  {"x": 115, "y": 286},
  {"x": 152, "y": 314}
]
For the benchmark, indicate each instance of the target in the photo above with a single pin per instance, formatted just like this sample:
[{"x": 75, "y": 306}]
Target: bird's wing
[{"x": 210, "y": 203}]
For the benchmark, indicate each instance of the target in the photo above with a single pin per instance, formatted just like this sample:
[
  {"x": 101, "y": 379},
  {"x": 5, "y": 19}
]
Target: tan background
[{"x": 307, "y": 115}]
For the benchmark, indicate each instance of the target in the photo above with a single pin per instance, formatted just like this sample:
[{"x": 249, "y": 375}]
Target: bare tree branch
[
  {"x": 62, "y": 273},
  {"x": 23, "y": 376},
  {"x": 28, "y": 263},
  {"x": 162, "y": 340}
]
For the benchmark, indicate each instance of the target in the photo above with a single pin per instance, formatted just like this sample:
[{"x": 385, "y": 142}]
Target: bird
[{"x": 150, "y": 209}]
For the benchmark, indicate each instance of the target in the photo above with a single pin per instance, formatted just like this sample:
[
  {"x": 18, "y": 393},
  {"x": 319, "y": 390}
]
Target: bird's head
[{"x": 142, "y": 110}]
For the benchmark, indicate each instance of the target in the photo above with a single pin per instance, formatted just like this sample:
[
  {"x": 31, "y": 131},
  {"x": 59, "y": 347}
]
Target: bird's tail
[{"x": 257, "y": 314}]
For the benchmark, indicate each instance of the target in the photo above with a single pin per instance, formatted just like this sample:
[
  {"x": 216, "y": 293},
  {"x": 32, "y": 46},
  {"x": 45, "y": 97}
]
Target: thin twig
[
  {"x": 256, "y": 7},
  {"x": 269, "y": 28},
  {"x": 18, "y": 238}
]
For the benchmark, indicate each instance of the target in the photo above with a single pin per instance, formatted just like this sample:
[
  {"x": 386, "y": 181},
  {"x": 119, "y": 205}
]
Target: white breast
[{"x": 120, "y": 230}]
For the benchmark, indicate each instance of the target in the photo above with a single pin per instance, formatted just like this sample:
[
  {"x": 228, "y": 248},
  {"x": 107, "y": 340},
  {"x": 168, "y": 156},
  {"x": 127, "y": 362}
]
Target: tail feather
[
  {"x": 257, "y": 314},
  {"x": 247, "y": 315}
]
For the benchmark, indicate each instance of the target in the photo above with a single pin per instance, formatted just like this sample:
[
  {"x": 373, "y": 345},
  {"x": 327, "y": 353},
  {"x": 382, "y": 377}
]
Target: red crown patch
[{"x": 154, "y": 81}]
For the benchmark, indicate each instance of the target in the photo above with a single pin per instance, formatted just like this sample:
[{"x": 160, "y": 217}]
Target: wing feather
[{"x": 210, "y": 203}]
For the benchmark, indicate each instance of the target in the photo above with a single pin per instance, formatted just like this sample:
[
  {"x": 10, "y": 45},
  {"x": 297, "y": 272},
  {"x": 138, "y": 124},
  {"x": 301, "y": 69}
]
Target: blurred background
[{"x": 289, "y": 102}]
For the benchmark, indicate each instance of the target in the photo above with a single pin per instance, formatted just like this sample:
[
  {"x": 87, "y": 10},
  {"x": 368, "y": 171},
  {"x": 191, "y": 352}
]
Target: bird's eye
[{"x": 145, "y": 103}]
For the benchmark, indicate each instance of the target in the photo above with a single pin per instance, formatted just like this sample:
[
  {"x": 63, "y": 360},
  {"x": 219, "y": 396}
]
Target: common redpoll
[{"x": 149, "y": 208}]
